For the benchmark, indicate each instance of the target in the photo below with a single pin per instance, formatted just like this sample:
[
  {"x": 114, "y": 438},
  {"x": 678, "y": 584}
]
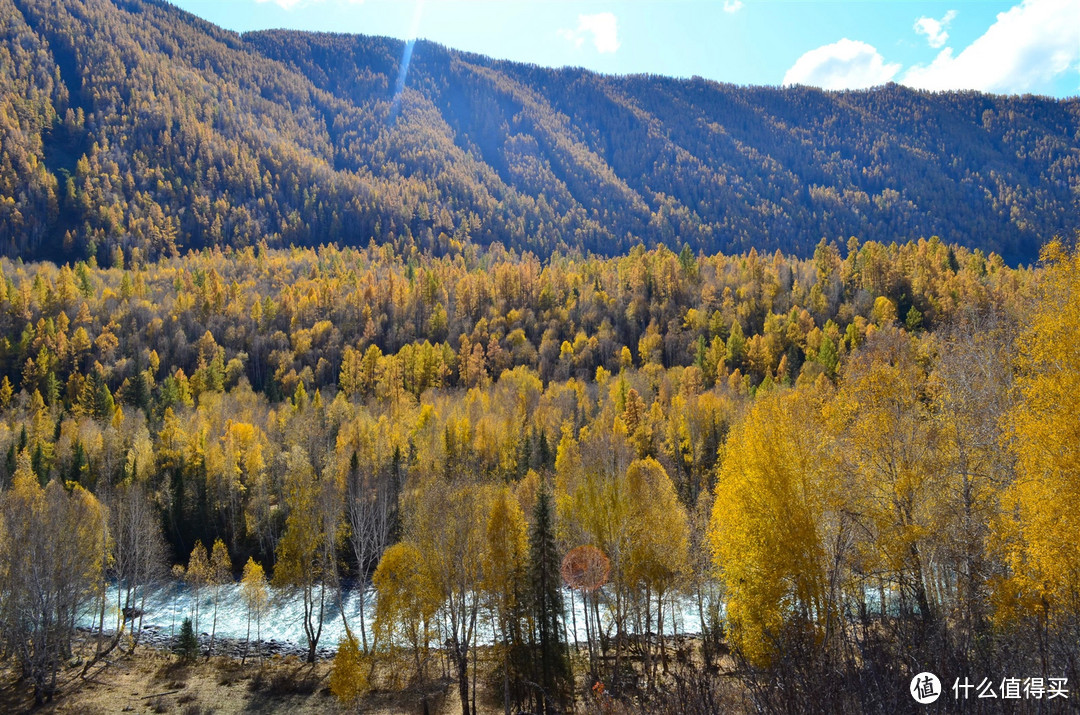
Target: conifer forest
[{"x": 598, "y": 394}]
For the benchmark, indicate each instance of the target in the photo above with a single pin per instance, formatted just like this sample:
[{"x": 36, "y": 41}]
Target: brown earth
[{"x": 154, "y": 681}]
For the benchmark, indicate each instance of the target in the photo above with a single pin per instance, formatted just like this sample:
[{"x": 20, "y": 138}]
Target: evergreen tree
[
  {"x": 551, "y": 660},
  {"x": 187, "y": 645}
]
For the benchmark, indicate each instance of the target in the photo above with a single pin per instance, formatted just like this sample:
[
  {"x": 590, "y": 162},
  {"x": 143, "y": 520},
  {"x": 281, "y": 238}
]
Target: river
[{"x": 167, "y": 606}]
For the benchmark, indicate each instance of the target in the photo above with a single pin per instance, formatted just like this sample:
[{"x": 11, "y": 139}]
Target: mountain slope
[{"x": 132, "y": 124}]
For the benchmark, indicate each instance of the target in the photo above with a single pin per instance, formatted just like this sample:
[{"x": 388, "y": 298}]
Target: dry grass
[{"x": 152, "y": 681}]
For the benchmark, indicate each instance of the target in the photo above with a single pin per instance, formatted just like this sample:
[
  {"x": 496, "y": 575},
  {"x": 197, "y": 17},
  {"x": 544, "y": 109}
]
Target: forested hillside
[
  {"x": 131, "y": 124},
  {"x": 515, "y": 346},
  {"x": 869, "y": 458}
]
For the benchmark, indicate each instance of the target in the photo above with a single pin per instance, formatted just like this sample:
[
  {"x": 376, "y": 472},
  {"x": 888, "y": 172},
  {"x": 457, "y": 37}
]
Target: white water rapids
[{"x": 166, "y": 607}]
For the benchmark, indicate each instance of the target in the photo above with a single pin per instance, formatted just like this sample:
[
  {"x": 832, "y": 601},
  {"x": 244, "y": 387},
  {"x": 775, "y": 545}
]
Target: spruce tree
[
  {"x": 187, "y": 645},
  {"x": 551, "y": 660}
]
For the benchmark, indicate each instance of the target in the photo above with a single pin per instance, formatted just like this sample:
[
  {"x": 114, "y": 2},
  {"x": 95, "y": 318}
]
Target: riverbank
[
  {"x": 149, "y": 679},
  {"x": 162, "y": 639}
]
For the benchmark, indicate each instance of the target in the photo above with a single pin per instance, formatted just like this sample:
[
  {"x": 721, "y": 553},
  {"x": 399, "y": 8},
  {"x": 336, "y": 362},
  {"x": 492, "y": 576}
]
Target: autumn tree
[
  {"x": 368, "y": 514},
  {"x": 892, "y": 444},
  {"x": 659, "y": 534},
  {"x": 447, "y": 526},
  {"x": 306, "y": 555},
  {"x": 1039, "y": 528},
  {"x": 349, "y": 671},
  {"x": 220, "y": 576},
  {"x": 138, "y": 556},
  {"x": 50, "y": 562},
  {"x": 972, "y": 389},
  {"x": 780, "y": 540},
  {"x": 255, "y": 590},
  {"x": 407, "y": 602},
  {"x": 197, "y": 575},
  {"x": 504, "y": 566}
]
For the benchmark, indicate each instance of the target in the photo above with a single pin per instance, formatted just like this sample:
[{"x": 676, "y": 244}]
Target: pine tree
[
  {"x": 187, "y": 645},
  {"x": 551, "y": 661}
]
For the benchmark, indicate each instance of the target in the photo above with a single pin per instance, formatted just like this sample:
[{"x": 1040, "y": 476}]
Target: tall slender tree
[
  {"x": 256, "y": 594},
  {"x": 220, "y": 575},
  {"x": 551, "y": 661}
]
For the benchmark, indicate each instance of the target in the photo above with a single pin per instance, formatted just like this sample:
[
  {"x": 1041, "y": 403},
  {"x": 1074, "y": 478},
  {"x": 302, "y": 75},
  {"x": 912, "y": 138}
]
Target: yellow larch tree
[
  {"x": 256, "y": 593},
  {"x": 407, "y": 602},
  {"x": 506, "y": 550},
  {"x": 197, "y": 575},
  {"x": 1041, "y": 531},
  {"x": 220, "y": 575},
  {"x": 891, "y": 441},
  {"x": 306, "y": 554},
  {"x": 657, "y": 559},
  {"x": 775, "y": 533}
]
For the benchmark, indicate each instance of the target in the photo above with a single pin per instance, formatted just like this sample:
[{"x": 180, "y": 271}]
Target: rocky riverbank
[{"x": 153, "y": 636}]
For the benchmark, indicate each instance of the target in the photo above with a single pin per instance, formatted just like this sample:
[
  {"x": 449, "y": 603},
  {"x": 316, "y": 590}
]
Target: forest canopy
[
  {"x": 133, "y": 126},
  {"x": 859, "y": 452}
]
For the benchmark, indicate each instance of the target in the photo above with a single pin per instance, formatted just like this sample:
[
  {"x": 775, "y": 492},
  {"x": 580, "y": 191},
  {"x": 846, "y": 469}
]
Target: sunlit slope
[{"x": 136, "y": 125}]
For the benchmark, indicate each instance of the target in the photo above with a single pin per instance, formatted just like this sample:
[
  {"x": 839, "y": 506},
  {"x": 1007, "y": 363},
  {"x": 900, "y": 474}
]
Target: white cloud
[
  {"x": 290, "y": 4},
  {"x": 846, "y": 64},
  {"x": 287, "y": 4},
  {"x": 601, "y": 28},
  {"x": 1027, "y": 46},
  {"x": 935, "y": 30},
  {"x": 732, "y": 6}
]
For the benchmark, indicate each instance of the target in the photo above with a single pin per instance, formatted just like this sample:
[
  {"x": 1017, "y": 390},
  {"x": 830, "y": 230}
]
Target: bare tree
[
  {"x": 972, "y": 381},
  {"x": 367, "y": 508},
  {"x": 50, "y": 563},
  {"x": 139, "y": 550}
]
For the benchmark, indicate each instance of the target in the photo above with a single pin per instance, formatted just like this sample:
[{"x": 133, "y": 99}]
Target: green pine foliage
[
  {"x": 187, "y": 644},
  {"x": 551, "y": 663}
]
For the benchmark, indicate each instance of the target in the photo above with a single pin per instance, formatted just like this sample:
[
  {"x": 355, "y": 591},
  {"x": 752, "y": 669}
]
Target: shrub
[{"x": 348, "y": 674}]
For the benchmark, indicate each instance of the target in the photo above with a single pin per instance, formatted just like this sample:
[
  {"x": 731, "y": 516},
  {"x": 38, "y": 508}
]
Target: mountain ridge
[{"x": 184, "y": 135}]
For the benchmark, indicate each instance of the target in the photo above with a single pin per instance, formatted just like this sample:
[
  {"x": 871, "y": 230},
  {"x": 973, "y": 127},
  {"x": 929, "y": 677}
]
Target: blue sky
[{"x": 1004, "y": 47}]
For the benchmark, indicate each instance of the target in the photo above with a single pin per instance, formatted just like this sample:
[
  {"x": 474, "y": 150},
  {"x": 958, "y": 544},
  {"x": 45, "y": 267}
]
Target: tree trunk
[
  {"x": 618, "y": 627},
  {"x": 660, "y": 631},
  {"x": 474, "y": 666},
  {"x": 573, "y": 621},
  {"x": 463, "y": 677},
  {"x": 101, "y": 616},
  {"x": 363, "y": 605},
  {"x": 921, "y": 598},
  {"x": 142, "y": 613},
  {"x": 247, "y": 640},
  {"x": 588, "y": 635},
  {"x": 646, "y": 637},
  {"x": 706, "y": 648},
  {"x": 213, "y": 625}
]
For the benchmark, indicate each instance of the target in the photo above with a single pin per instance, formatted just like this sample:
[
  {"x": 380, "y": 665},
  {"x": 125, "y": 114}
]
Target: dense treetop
[
  {"x": 133, "y": 124},
  {"x": 883, "y": 439},
  {"x": 99, "y": 363}
]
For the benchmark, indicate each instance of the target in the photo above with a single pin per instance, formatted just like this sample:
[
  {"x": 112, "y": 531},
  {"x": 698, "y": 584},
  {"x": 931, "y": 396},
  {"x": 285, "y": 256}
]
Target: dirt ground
[{"x": 153, "y": 681}]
